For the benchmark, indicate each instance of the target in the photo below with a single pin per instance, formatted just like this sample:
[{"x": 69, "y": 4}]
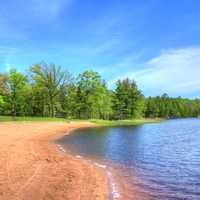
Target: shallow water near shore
[{"x": 156, "y": 161}]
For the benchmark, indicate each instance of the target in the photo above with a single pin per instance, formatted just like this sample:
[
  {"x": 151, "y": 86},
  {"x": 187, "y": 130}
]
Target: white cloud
[
  {"x": 46, "y": 9},
  {"x": 175, "y": 71},
  {"x": 18, "y": 19},
  {"x": 33, "y": 10}
]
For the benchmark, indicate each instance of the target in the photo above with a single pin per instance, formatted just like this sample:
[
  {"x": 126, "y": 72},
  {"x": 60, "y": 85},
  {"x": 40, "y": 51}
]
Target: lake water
[{"x": 161, "y": 161}]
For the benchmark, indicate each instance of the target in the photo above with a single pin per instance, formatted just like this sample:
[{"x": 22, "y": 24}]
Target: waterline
[
  {"x": 114, "y": 188},
  {"x": 61, "y": 148}
]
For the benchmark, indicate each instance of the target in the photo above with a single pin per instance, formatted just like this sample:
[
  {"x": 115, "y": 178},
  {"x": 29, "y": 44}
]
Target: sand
[{"x": 32, "y": 167}]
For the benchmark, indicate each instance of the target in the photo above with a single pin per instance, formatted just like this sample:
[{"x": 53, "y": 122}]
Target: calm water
[{"x": 161, "y": 160}]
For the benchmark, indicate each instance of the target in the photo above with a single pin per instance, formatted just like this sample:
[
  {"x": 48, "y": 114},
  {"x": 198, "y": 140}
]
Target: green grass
[
  {"x": 96, "y": 121},
  {"x": 132, "y": 122},
  {"x": 31, "y": 119}
]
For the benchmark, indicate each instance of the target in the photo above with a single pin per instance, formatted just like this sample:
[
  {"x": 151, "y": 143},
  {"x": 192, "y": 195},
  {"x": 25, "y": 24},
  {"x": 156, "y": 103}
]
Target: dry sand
[{"x": 33, "y": 168}]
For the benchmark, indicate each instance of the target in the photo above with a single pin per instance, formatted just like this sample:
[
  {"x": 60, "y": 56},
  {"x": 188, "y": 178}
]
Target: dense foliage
[
  {"x": 167, "y": 107},
  {"x": 128, "y": 101},
  {"x": 47, "y": 90}
]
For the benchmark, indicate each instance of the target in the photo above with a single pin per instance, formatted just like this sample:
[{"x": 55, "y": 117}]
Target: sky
[{"x": 154, "y": 42}]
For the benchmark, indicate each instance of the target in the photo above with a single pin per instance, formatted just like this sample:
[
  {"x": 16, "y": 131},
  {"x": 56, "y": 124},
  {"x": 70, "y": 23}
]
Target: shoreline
[
  {"x": 33, "y": 167},
  {"x": 119, "y": 186},
  {"x": 113, "y": 193}
]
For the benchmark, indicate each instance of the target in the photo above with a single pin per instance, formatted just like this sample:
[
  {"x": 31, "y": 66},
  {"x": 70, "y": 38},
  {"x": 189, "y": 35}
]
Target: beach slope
[{"x": 33, "y": 167}]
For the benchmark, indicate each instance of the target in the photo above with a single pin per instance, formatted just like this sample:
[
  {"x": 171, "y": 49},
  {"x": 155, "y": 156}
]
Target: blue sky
[{"x": 155, "y": 42}]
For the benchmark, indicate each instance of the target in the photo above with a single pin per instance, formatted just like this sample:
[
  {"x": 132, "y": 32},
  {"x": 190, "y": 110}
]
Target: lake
[{"x": 161, "y": 161}]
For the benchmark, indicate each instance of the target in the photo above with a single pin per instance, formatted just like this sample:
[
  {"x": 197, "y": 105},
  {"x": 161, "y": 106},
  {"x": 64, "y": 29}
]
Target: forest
[{"x": 47, "y": 90}]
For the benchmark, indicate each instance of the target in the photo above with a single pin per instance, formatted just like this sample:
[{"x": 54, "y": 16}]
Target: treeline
[
  {"x": 47, "y": 90},
  {"x": 167, "y": 107}
]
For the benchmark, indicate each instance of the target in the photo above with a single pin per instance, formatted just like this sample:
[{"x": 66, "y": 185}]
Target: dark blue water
[{"x": 165, "y": 157}]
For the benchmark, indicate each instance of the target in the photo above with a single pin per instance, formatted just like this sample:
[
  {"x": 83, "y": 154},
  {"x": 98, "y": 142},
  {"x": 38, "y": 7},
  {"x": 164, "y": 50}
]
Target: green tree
[
  {"x": 16, "y": 85},
  {"x": 50, "y": 91},
  {"x": 128, "y": 101},
  {"x": 1, "y": 103},
  {"x": 67, "y": 100},
  {"x": 168, "y": 107},
  {"x": 51, "y": 79},
  {"x": 93, "y": 97},
  {"x": 3, "y": 92}
]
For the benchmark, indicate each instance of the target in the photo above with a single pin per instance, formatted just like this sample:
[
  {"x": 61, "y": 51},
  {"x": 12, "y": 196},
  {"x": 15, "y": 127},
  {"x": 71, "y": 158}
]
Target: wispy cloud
[
  {"x": 33, "y": 12},
  {"x": 49, "y": 9},
  {"x": 175, "y": 71}
]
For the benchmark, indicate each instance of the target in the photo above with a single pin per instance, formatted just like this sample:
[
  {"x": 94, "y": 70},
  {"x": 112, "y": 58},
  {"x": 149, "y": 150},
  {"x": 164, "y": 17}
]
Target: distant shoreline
[{"x": 101, "y": 122}]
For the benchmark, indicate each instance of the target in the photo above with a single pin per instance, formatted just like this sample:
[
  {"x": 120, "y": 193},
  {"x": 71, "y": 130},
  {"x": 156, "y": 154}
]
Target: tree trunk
[
  {"x": 14, "y": 111},
  {"x": 52, "y": 113}
]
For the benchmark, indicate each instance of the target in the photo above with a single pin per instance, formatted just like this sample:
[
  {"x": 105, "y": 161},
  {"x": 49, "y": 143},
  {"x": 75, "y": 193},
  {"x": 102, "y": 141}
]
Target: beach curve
[{"x": 33, "y": 167}]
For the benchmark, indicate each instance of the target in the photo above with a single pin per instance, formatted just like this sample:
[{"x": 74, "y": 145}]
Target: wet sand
[{"x": 34, "y": 168}]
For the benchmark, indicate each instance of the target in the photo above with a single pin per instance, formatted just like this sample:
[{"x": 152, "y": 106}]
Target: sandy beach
[{"x": 34, "y": 168}]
